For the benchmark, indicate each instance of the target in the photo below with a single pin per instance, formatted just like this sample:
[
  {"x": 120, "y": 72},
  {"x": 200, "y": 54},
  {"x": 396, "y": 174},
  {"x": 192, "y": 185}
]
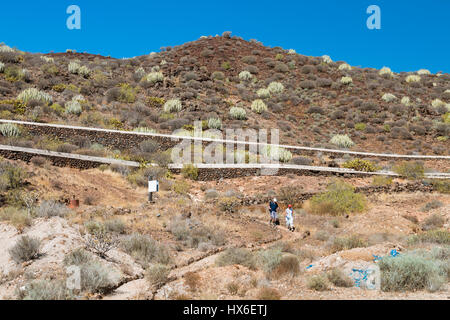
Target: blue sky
[{"x": 413, "y": 34}]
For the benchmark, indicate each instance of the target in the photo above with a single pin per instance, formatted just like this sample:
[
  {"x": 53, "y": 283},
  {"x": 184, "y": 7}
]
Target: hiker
[
  {"x": 290, "y": 218},
  {"x": 273, "y": 206}
]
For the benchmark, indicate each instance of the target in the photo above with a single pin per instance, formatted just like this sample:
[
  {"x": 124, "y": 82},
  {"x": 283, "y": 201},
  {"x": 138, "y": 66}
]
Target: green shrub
[
  {"x": 412, "y": 271},
  {"x": 263, "y": 93},
  {"x": 146, "y": 250},
  {"x": 238, "y": 113},
  {"x": 157, "y": 274},
  {"x": 239, "y": 256},
  {"x": 269, "y": 260},
  {"x": 77, "y": 257},
  {"x": 434, "y": 221},
  {"x": 412, "y": 170},
  {"x": 360, "y": 165},
  {"x": 9, "y": 130},
  {"x": 441, "y": 185},
  {"x": 73, "y": 107},
  {"x": 154, "y": 77},
  {"x": 181, "y": 187},
  {"x": 259, "y": 106},
  {"x": 19, "y": 218},
  {"x": 432, "y": 236},
  {"x": 95, "y": 278},
  {"x": 339, "y": 279},
  {"x": 318, "y": 283},
  {"x": 189, "y": 171},
  {"x": 275, "y": 87},
  {"x": 381, "y": 181},
  {"x": 25, "y": 249},
  {"x": 183, "y": 230},
  {"x": 342, "y": 141},
  {"x": 360, "y": 126},
  {"x": 127, "y": 93},
  {"x": 228, "y": 204},
  {"x": 50, "y": 208},
  {"x": 115, "y": 226},
  {"x": 214, "y": 123},
  {"x": 45, "y": 290},
  {"x": 173, "y": 105},
  {"x": 347, "y": 243},
  {"x": 340, "y": 198},
  {"x": 34, "y": 94}
]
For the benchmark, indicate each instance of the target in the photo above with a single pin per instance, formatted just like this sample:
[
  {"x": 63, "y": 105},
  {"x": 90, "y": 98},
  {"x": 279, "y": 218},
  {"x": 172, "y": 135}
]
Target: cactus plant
[
  {"x": 342, "y": 141},
  {"x": 34, "y": 94},
  {"x": 173, "y": 105},
  {"x": 275, "y": 87},
  {"x": 238, "y": 113},
  {"x": 9, "y": 130},
  {"x": 259, "y": 106}
]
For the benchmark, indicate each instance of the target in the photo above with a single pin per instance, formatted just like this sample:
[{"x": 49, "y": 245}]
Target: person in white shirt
[{"x": 290, "y": 218}]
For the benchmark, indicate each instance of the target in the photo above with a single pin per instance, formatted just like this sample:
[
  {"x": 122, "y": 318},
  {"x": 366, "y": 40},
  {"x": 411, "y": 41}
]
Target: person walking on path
[
  {"x": 273, "y": 206},
  {"x": 290, "y": 218}
]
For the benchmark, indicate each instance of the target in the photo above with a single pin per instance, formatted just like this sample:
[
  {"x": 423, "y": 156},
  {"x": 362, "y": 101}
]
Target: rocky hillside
[{"x": 229, "y": 82}]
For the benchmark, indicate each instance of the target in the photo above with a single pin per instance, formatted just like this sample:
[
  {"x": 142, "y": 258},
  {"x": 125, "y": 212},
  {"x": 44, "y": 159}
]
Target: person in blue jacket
[{"x": 273, "y": 206}]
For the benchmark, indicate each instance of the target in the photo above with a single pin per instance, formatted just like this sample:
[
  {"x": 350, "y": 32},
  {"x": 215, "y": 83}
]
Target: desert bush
[
  {"x": 347, "y": 243},
  {"x": 326, "y": 59},
  {"x": 95, "y": 278},
  {"x": 192, "y": 280},
  {"x": 339, "y": 279},
  {"x": 344, "y": 67},
  {"x": 318, "y": 283},
  {"x": 434, "y": 204},
  {"x": 275, "y": 87},
  {"x": 385, "y": 71},
  {"x": 410, "y": 169},
  {"x": 342, "y": 141},
  {"x": 412, "y": 78},
  {"x": 11, "y": 176},
  {"x": 239, "y": 256},
  {"x": 263, "y": 93},
  {"x": 25, "y": 249},
  {"x": 77, "y": 257},
  {"x": 9, "y": 130},
  {"x": 259, "y": 106},
  {"x": 346, "y": 80},
  {"x": 45, "y": 290},
  {"x": 441, "y": 185},
  {"x": 145, "y": 250},
  {"x": 173, "y": 105},
  {"x": 388, "y": 97},
  {"x": 340, "y": 198},
  {"x": 288, "y": 195},
  {"x": 268, "y": 260},
  {"x": 218, "y": 75},
  {"x": 50, "y": 208},
  {"x": 411, "y": 271},
  {"x": 228, "y": 204},
  {"x": 432, "y": 236},
  {"x": 19, "y": 218},
  {"x": 233, "y": 287},
  {"x": 238, "y": 113},
  {"x": 434, "y": 221},
  {"x": 2, "y": 67},
  {"x": 277, "y": 153},
  {"x": 34, "y": 94},
  {"x": 406, "y": 101},
  {"x": 266, "y": 293},
  {"x": 381, "y": 181},
  {"x": 189, "y": 171},
  {"x": 115, "y": 226},
  {"x": 360, "y": 165},
  {"x": 148, "y": 146},
  {"x": 214, "y": 123},
  {"x": 423, "y": 72},
  {"x": 288, "y": 265},
  {"x": 245, "y": 76},
  {"x": 154, "y": 77},
  {"x": 157, "y": 274}
]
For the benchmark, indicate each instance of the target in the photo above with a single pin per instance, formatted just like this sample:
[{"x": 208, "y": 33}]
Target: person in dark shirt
[{"x": 273, "y": 206}]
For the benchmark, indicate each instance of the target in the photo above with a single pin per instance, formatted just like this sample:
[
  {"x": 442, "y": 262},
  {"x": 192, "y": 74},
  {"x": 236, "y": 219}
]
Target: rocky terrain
[{"x": 67, "y": 233}]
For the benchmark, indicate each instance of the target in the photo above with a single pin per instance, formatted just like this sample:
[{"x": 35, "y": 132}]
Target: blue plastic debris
[
  {"x": 376, "y": 258},
  {"x": 309, "y": 266},
  {"x": 361, "y": 275},
  {"x": 394, "y": 253}
]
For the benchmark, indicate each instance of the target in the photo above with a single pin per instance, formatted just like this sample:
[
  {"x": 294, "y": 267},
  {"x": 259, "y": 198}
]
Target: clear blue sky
[{"x": 413, "y": 35}]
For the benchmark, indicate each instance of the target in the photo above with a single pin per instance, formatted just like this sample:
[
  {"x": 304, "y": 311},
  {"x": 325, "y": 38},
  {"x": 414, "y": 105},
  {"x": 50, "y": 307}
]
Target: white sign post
[{"x": 153, "y": 186}]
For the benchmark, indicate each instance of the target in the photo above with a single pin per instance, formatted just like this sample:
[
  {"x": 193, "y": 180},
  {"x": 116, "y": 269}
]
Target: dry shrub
[
  {"x": 25, "y": 249},
  {"x": 289, "y": 265},
  {"x": 339, "y": 279},
  {"x": 318, "y": 283},
  {"x": 192, "y": 280},
  {"x": 347, "y": 243},
  {"x": 266, "y": 293},
  {"x": 157, "y": 274},
  {"x": 233, "y": 288},
  {"x": 239, "y": 256}
]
